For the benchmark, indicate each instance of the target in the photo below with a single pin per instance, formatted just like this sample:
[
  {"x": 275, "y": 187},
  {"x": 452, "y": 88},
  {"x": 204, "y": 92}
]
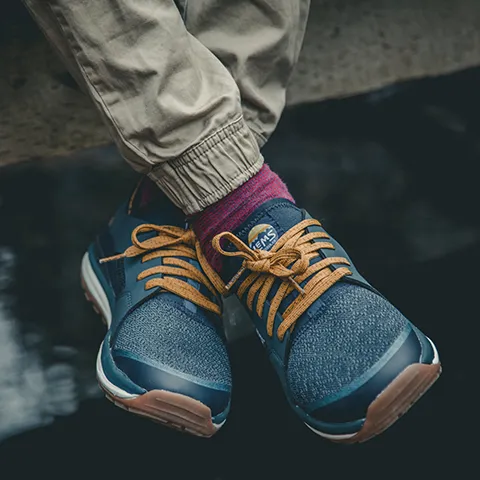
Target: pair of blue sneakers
[{"x": 349, "y": 362}]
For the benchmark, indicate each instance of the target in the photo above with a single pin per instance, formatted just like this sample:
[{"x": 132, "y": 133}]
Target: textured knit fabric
[
  {"x": 164, "y": 332},
  {"x": 230, "y": 212},
  {"x": 342, "y": 339}
]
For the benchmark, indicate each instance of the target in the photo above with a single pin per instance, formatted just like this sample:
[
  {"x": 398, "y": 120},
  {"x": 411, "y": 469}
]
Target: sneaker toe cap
[
  {"x": 159, "y": 377},
  {"x": 351, "y": 402}
]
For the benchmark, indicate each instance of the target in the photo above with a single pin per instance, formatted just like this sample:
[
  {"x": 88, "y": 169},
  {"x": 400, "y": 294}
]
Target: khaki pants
[{"x": 190, "y": 91}]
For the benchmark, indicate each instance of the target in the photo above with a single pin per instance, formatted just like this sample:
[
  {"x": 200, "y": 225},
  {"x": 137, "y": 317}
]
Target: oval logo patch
[{"x": 262, "y": 237}]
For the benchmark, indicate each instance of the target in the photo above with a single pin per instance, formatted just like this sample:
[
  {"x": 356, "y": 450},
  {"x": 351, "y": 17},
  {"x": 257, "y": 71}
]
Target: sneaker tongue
[
  {"x": 263, "y": 229},
  {"x": 268, "y": 223}
]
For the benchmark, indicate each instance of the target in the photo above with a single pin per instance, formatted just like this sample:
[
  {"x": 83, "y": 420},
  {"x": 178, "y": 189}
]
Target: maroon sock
[
  {"x": 231, "y": 211},
  {"x": 148, "y": 191}
]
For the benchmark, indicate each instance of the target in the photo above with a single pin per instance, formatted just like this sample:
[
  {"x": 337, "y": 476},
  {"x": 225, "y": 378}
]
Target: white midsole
[
  {"x": 95, "y": 289},
  {"x": 436, "y": 356},
  {"x": 329, "y": 436}
]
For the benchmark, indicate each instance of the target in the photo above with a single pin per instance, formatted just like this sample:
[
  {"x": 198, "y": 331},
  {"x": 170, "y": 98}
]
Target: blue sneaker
[
  {"x": 349, "y": 362},
  {"x": 164, "y": 356}
]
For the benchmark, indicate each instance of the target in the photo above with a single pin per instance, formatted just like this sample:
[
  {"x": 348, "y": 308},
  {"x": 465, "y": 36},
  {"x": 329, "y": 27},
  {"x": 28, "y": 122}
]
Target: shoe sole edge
[
  {"x": 172, "y": 410},
  {"x": 390, "y": 405}
]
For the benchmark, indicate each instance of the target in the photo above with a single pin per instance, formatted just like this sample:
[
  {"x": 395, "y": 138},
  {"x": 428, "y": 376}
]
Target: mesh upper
[
  {"x": 347, "y": 335},
  {"x": 163, "y": 331}
]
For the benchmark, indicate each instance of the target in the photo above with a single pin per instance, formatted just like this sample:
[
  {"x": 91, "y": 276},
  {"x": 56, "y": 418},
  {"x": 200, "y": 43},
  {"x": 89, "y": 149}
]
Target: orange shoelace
[
  {"x": 171, "y": 243},
  {"x": 288, "y": 260}
]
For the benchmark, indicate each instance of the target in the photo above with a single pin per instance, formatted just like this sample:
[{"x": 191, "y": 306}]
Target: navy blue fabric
[
  {"x": 174, "y": 334},
  {"x": 157, "y": 340},
  {"x": 150, "y": 378},
  {"x": 338, "y": 340},
  {"x": 354, "y": 406}
]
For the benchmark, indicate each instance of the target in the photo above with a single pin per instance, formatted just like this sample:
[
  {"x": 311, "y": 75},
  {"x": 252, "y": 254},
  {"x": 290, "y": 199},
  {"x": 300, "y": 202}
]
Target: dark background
[{"x": 393, "y": 175}]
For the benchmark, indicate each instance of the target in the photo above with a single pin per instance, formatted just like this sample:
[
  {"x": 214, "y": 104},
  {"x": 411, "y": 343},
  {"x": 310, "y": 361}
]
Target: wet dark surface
[{"x": 393, "y": 175}]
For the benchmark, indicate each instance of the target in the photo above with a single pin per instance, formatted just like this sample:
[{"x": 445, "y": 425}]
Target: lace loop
[
  {"x": 263, "y": 261},
  {"x": 290, "y": 260},
  {"x": 171, "y": 243}
]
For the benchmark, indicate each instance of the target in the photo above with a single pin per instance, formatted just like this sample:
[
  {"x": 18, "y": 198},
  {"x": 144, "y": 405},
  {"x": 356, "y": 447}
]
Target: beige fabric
[
  {"x": 173, "y": 109},
  {"x": 350, "y": 47},
  {"x": 259, "y": 42}
]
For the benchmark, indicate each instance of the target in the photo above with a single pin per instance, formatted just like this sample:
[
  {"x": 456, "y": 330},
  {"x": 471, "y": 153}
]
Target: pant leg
[
  {"x": 172, "y": 107},
  {"x": 259, "y": 41}
]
